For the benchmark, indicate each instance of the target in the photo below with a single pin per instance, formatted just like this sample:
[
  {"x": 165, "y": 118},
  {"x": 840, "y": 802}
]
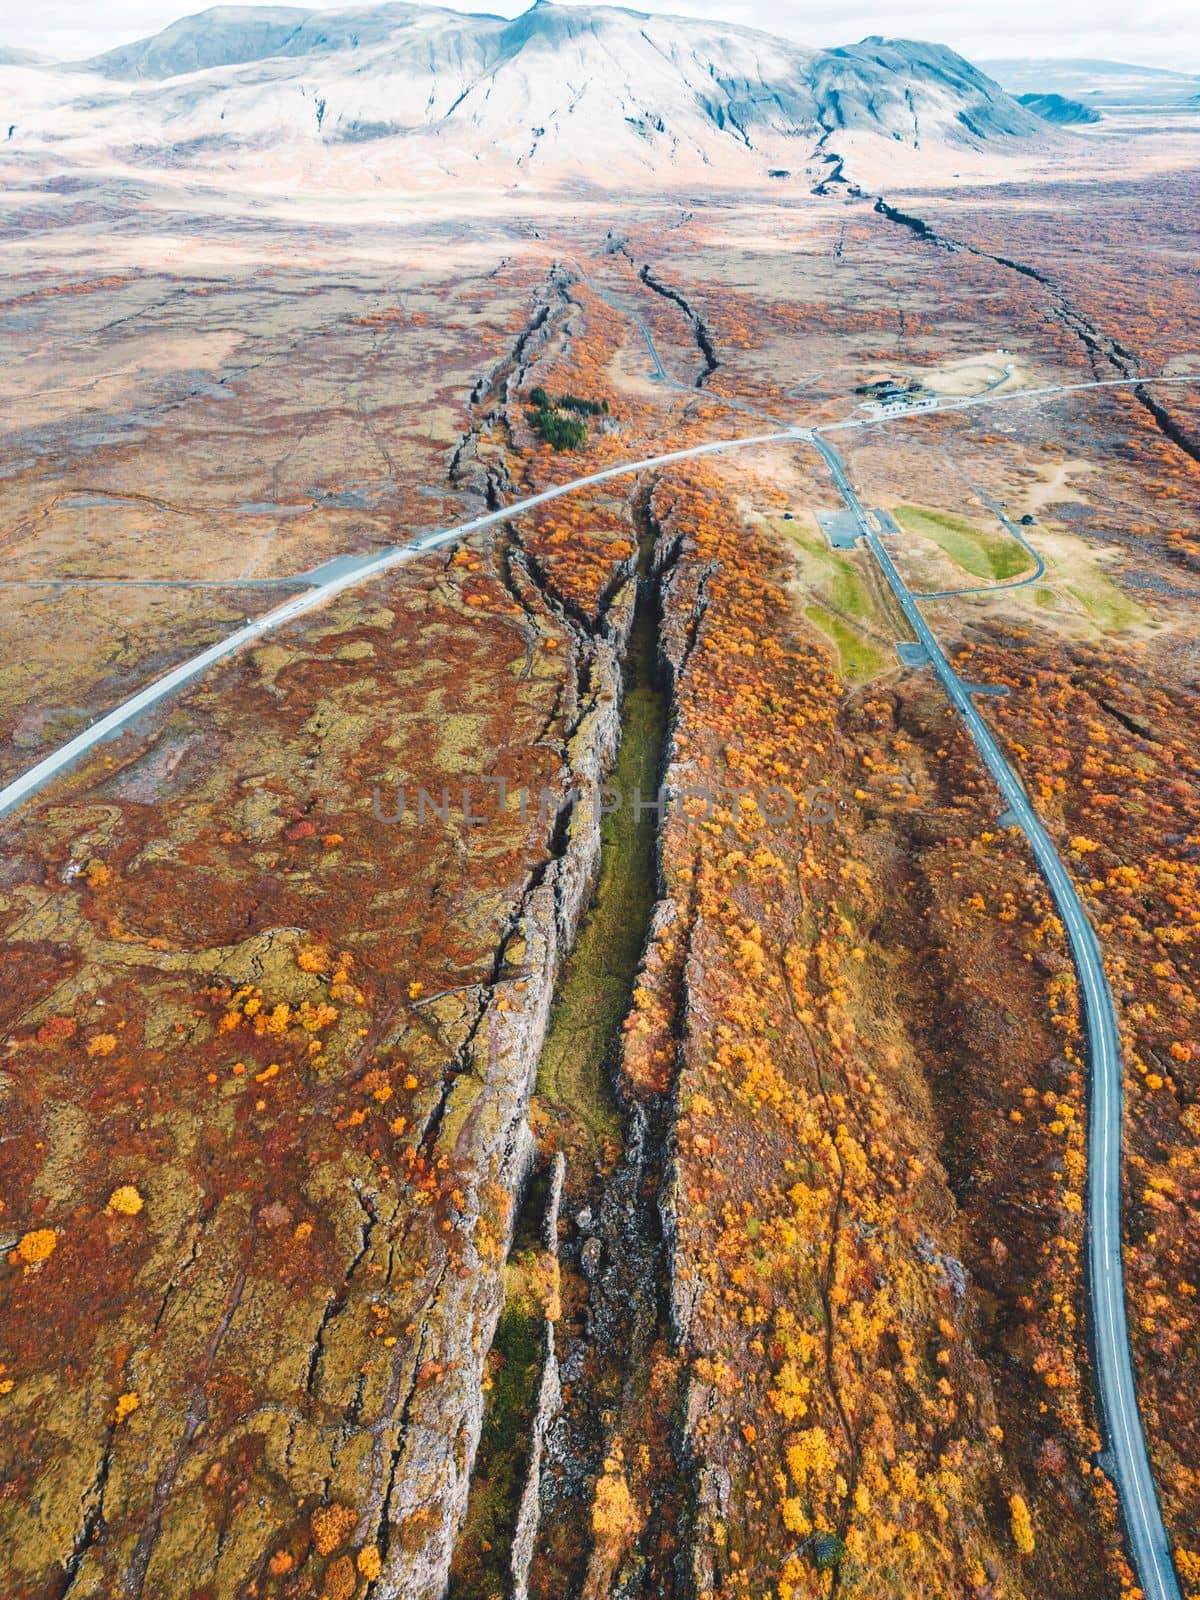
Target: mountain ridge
[
  {"x": 561, "y": 87},
  {"x": 1059, "y": 108},
  {"x": 1116, "y": 85}
]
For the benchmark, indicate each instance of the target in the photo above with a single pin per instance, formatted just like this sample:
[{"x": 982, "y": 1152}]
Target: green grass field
[
  {"x": 850, "y": 592},
  {"x": 991, "y": 557},
  {"x": 841, "y": 597},
  {"x": 859, "y": 658},
  {"x": 1108, "y": 608},
  {"x": 799, "y": 532},
  {"x": 840, "y": 576},
  {"x": 594, "y": 985}
]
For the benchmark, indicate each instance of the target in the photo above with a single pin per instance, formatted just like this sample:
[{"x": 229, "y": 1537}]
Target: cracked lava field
[{"x": 495, "y": 1198}]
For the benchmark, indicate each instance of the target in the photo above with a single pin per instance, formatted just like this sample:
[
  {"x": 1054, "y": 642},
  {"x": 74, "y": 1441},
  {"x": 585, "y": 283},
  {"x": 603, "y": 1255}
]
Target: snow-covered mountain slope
[
  {"x": 1059, "y": 108},
  {"x": 589, "y": 91},
  {"x": 228, "y": 35}
]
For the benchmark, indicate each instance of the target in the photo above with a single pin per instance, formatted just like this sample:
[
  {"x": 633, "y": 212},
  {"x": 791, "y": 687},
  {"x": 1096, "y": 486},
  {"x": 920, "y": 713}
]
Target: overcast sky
[{"x": 1156, "y": 32}]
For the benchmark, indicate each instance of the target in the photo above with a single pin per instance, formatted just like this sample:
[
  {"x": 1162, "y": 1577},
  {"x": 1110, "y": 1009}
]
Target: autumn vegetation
[{"x": 270, "y": 1088}]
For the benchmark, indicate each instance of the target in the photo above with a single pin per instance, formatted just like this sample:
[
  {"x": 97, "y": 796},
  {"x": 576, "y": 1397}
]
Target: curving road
[
  {"x": 659, "y": 372},
  {"x": 1039, "y": 565},
  {"x": 986, "y": 399},
  {"x": 1126, "y": 1460},
  {"x": 107, "y": 726}
]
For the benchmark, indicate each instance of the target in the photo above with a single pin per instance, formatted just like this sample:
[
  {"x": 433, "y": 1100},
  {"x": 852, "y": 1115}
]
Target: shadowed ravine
[
  {"x": 574, "y": 1084},
  {"x": 578, "y": 1114}
]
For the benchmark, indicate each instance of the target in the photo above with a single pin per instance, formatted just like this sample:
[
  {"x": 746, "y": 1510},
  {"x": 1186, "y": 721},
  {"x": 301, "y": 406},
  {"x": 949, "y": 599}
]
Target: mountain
[
  {"x": 564, "y": 90},
  {"x": 1059, "y": 109},
  {"x": 1107, "y": 85},
  {"x": 231, "y": 35}
]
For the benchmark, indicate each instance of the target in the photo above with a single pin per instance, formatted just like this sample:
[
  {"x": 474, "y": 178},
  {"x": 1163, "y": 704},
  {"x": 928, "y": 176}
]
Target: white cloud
[{"x": 1156, "y": 32}]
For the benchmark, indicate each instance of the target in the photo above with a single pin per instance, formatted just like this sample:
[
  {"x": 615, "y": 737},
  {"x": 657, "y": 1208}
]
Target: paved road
[
  {"x": 299, "y": 582},
  {"x": 639, "y": 322},
  {"x": 986, "y": 399},
  {"x": 1126, "y": 1459},
  {"x": 106, "y": 727},
  {"x": 1013, "y": 528}
]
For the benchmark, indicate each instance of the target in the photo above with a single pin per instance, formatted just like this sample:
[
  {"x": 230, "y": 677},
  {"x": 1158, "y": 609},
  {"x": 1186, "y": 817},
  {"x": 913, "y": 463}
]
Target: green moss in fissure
[
  {"x": 596, "y": 982},
  {"x": 480, "y": 1570}
]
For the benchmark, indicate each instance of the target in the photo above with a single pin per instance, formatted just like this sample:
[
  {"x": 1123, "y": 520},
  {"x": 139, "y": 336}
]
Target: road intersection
[{"x": 1126, "y": 1459}]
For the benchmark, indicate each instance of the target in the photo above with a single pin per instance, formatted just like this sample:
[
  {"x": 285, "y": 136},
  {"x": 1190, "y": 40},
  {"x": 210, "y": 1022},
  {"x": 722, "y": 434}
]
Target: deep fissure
[{"x": 615, "y": 1302}]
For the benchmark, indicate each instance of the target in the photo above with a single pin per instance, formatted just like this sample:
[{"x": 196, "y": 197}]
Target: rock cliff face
[
  {"x": 433, "y": 1436},
  {"x": 546, "y": 1407},
  {"x": 270, "y": 1178},
  {"x": 325, "y": 1405},
  {"x": 584, "y": 89}
]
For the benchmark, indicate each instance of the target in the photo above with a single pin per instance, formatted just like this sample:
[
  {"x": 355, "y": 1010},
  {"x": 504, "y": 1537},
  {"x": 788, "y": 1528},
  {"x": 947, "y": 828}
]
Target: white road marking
[
  {"x": 1149, "y": 1545},
  {"x": 113, "y": 721},
  {"x": 1148, "y": 1538}
]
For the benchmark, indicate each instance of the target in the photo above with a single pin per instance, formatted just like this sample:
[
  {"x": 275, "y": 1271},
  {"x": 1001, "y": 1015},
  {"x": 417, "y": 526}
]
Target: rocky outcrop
[
  {"x": 616, "y": 1428},
  {"x": 704, "y": 340},
  {"x": 549, "y": 1399},
  {"x": 1108, "y": 356},
  {"x": 437, "y": 1430},
  {"x": 271, "y": 1361}
]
